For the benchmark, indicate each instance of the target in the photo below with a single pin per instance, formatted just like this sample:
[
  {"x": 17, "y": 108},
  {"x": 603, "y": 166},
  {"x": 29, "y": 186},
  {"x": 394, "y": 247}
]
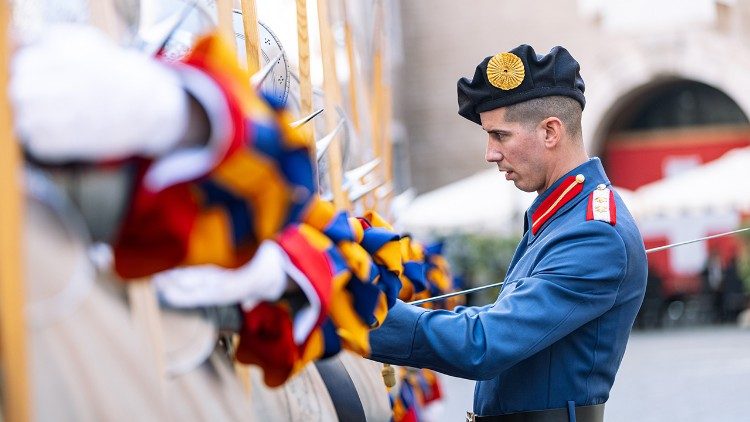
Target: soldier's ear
[{"x": 553, "y": 131}]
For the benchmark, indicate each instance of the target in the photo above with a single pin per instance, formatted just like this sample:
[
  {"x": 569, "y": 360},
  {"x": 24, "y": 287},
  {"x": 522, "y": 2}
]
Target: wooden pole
[
  {"x": 252, "y": 64},
  {"x": 387, "y": 146},
  {"x": 377, "y": 100},
  {"x": 104, "y": 17},
  {"x": 349, "y": 40},
  {"x": 332, "y": 99},
  {"x": 305, "y": 80},
  {"x": 16, "y": 387},
  {"x": 380, "y": 113},
  {"x": 250, "y": 25},
  {"x": 303, "y": 44},
  {"x": 386, "y": 111},
  {"x": 224, "y": 12}
]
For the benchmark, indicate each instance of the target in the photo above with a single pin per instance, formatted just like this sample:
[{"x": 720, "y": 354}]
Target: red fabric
[
  {"x": 410, "y": 415},
  {"x": 612, "y": 208},
  {"x": 266, "y": 340},
  {"x": 365, "y": 224},
  {"x": 590, "y": 207},
  {"x": 156, "y": 230},
  {"x": 155, "y": 233},
  {"x": 313, "y": 263},
  {"x": 539, "y": 217},
  {"x": 435, "y": 393},
  {"x": 240, "y": 124},
  {"x": 650, "y": 150}
]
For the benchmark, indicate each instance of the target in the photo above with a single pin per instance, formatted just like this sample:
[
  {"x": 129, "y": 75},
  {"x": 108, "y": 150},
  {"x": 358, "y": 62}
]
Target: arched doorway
[
  {"x": 668, "y": 127},
  {"x": 659, "y": 130}
]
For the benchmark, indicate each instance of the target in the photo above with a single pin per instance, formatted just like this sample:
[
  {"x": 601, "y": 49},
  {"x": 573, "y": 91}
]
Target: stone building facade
[{"x": 627, "y": 50}]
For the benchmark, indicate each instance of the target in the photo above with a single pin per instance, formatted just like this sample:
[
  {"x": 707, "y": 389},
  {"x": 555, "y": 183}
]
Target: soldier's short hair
[{"x": 533, "y": 111}]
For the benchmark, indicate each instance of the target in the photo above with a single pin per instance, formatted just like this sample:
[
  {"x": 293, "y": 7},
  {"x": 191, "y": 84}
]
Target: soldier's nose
[{"x": 492, "y": 156}]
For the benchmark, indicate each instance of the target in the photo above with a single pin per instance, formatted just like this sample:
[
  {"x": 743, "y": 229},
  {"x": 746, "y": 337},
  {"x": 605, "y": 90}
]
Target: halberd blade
[{"x": 305, "y": 119}]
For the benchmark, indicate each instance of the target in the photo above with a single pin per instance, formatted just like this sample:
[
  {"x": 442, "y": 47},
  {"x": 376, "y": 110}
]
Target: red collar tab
[{"x": 567, "y": 190}]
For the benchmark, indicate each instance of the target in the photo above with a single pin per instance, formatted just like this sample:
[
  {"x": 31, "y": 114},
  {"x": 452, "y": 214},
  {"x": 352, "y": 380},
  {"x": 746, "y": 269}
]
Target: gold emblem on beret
[{"x": 505, "y": 71}]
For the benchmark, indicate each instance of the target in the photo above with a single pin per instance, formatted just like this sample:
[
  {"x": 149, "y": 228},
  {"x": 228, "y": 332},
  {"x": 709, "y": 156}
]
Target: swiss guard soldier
[{"x": 549, "y": 347}]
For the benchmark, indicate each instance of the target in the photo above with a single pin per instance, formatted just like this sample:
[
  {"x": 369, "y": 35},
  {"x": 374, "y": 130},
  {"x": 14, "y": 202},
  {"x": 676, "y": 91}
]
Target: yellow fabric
[
  {"x": 407, "y": 289},
  {"x": 376, "y": 220},
  {"x": 339, "y": 281},
  {"x": 211, "y": 240},
  {"x": 412, "y": 250},
  {"x": 357, "y": 259},
  {"x": 293, "y": 137},
  {"x": 409, "y": 252},
  {"x": 389, "y": 255},
  {"x": 437, "y": 277},
  {"x": 398, "y": 410},
  {"x": 319, "y": 213},
  {"x": 357, "y": 229},
  {"x": 218, "y": 55},
  {"x": 255, "y": 178},
  {"x": 313, "y": 350},
  {"x": 316, "y": 239},
  {"x": 381, "y": 310},
  {"x": 424, "y": 294},
  {"x": 353, "y": 331}
]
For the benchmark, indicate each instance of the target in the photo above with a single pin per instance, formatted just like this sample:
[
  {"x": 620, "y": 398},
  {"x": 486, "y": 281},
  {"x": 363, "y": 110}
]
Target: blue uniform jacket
[{"x": 558, "y": 329}]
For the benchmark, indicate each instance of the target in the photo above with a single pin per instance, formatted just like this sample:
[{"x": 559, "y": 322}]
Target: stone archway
[
  {"x": 667, "y": 127},
  {"x": 629, "y": 77},
  {"x": 625, "y": 72}
]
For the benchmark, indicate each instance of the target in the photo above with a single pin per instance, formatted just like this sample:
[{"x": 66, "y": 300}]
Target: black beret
[{"x": 519, "y": 75}]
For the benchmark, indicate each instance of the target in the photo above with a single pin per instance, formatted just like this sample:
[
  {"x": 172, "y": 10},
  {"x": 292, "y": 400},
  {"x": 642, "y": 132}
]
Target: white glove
[
  {"x": 263, "y": 278},
  {"x": 78, "y": 96}
]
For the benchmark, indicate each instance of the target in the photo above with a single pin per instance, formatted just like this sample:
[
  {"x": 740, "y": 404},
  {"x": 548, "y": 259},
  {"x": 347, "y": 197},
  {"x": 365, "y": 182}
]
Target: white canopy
[
  {"x": 718, "y": 186},
  {"x": 482, "y": 203}
]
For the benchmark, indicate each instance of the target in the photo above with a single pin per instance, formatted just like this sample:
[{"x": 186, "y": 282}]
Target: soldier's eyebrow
[{"x": 497, "y": 132}]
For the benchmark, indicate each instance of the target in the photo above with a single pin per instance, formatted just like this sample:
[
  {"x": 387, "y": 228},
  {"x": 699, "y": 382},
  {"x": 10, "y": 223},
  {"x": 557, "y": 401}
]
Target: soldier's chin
[{"x": 523, "y": 187}]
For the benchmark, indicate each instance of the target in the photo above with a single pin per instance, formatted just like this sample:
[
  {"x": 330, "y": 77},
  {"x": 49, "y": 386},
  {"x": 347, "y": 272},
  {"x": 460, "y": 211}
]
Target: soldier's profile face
[{"x": 516, "y": 149}]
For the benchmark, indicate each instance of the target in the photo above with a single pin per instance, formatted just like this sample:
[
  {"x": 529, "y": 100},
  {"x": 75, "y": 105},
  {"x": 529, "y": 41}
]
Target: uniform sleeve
[
  {"x": 471, "y": 310},
  {"x": 575, "y": 281}
]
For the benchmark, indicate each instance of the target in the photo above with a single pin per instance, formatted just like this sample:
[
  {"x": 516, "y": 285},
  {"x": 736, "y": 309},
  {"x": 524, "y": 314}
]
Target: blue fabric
[
  {"x": 294, "y": 165},
  {"x": 375, "y": 237},
  {"x": 415, "y": 272},
  {"x": 267, "y": 139},
  {"x": 298, "y": 171},
  {"x": 365, "y": 297},
  {"x": 434, "y": 248},
  {"x": 338, "y": 229},
  {"x": 331, "y": 342},
  {"x": 338, "y": 263},
  {"x": 571, "y": 411},
  {"x": 558, "y": 329},
  {"x": 240, "y": 214},
  {"x": 390, "y": 285}
]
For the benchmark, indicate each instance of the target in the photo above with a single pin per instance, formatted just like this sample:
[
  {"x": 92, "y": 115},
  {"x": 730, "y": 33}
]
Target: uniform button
[
  {"x": 601, "y": 186},
  {"x": 580, "y": 178}
]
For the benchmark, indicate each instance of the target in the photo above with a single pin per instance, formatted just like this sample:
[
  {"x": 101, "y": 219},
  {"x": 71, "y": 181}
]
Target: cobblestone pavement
[{"x": 687, "y": 374}]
